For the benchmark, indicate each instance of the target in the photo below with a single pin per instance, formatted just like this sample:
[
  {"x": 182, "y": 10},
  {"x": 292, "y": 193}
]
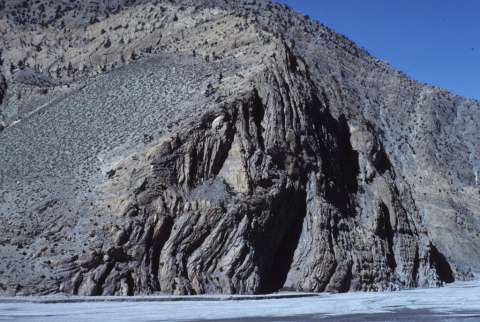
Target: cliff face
[
  {"x": 263, "y": 193},
  {"x": 301, "y": 165}
]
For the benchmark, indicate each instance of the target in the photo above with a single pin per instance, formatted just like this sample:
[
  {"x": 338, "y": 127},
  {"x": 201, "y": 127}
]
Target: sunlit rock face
[{"x": 224, "y": 147}]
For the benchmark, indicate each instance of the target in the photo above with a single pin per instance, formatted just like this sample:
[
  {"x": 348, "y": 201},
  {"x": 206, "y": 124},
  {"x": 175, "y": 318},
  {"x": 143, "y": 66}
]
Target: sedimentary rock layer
[{"x": 246, "y": 149}]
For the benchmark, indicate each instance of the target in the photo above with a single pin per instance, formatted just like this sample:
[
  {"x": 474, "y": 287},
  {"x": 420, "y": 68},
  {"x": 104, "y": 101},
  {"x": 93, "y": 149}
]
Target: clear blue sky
[{"x": 433, "y": 41}]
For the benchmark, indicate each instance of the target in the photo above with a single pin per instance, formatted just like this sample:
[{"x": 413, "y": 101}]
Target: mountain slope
[{"x": 249, "y": 150}]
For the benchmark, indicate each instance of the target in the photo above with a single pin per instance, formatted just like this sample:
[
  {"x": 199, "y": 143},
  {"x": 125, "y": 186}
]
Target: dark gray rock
[
  {"x": 3, "y": 87},
  {"x": 3, "y": 90},
  {"x": 290, "y": 212}
]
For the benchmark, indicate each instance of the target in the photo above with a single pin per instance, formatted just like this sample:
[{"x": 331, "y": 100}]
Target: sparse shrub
[
  {"x": 111, "y": 173},
  {"x": 93, "y": 20},
  {"x": 147, "y": 138},
  {"x": 107, "y": 43}
]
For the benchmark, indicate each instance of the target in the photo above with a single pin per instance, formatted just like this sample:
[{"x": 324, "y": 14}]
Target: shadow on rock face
[{"x": 440, "y": 263}]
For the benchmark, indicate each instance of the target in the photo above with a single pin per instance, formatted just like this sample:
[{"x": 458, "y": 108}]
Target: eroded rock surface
[
  {"x": 262, "y": 193},
  {"x": 250, "y": 150}
]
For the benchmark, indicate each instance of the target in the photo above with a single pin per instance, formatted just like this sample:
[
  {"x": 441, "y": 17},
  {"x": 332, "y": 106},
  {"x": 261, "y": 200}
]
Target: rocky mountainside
[{"x": 192, "y": 147}]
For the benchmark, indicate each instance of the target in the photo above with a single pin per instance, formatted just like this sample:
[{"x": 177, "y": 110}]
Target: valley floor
[{"x": 455, "y": 302}]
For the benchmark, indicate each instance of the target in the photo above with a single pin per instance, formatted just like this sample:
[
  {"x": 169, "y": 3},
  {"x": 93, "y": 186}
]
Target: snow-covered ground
[{"x": 457, "y": 301}]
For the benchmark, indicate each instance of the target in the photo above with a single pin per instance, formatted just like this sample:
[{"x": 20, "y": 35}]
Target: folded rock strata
[
  {"x": 250, "y": 150},
  {"x": 264, "y": 192}
]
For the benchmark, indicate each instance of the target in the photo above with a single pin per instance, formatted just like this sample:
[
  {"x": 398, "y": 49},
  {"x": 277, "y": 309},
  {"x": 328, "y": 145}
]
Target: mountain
[{"x": 192, "y": 147}]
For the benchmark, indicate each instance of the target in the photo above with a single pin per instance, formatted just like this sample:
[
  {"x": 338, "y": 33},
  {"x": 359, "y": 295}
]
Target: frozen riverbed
[{"x": 458, "y": 301}]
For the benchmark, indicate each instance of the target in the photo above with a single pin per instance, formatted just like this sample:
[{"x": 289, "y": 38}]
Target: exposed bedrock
[
  {"x": 3, "y": 90},
  {"x": 265, "y": 191}
]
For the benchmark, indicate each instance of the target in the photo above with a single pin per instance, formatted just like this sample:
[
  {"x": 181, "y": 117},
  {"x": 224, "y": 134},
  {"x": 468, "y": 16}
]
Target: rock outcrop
[
  {"x": 3, "y": 90},
  {"x": 3, "y": 87},
  {"x": 264, "y": 192},
  {"x": 259, "y": 151}
]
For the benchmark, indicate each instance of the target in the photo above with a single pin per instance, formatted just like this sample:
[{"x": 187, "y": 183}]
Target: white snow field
[{"x": 457, "y": 301}]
